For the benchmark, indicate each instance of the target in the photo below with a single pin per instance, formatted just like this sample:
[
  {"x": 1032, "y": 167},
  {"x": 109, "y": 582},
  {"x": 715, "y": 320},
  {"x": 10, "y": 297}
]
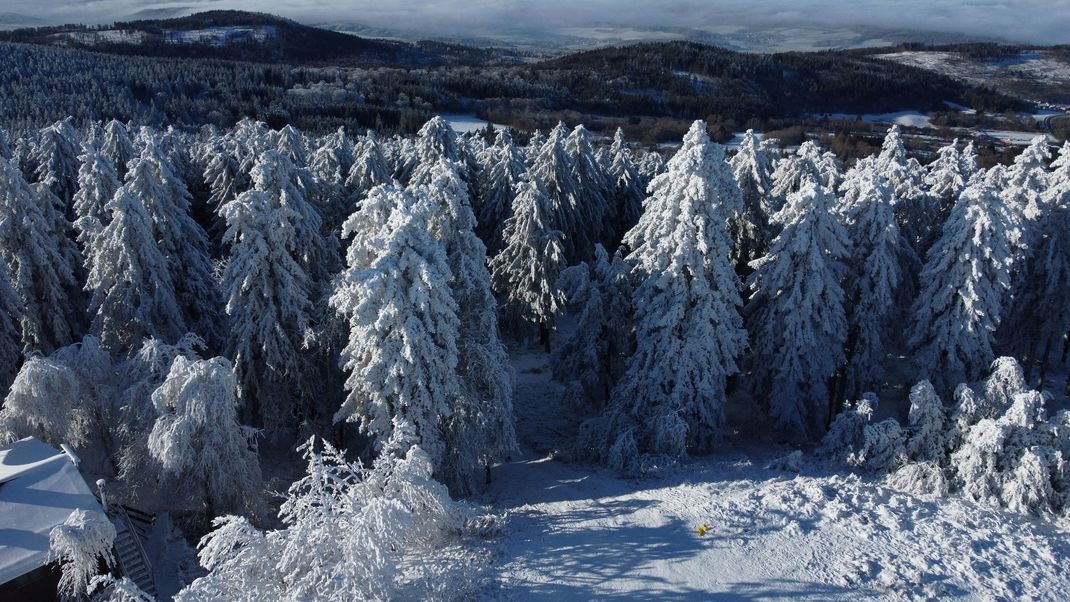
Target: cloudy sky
[{"x": 1042, "y": 21}]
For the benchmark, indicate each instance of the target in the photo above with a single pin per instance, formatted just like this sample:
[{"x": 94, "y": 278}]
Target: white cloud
[{"x": 1045, "y": 21}]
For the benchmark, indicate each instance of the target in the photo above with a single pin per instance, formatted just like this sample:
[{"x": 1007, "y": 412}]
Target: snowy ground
[{"x": 581, "y": 534}]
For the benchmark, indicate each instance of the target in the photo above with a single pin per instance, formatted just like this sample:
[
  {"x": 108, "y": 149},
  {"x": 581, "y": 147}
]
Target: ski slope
[{"x": 817, "y": 534}]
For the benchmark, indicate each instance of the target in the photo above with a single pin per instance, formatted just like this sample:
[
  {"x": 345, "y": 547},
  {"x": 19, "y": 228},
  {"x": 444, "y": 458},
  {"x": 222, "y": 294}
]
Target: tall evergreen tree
[
  {"x": 183, "y": 242},
  {"x": 906, "y": 178},
  {"x": 132, "y": 292},
  {"x": 41, "y": 261},
  {"x": 403, "y": 327},
  {"x": 593, "y": 358},
  {"x": 593, "y": 209},
  {"x": 1060, "y": 174},
  {"x": 1025, "y": 188},
  {"x": 504, "y": 172},
  {"x": 628, "y": 186},
  {"x": 793, "y": 171},
  {"x": 117, "y": 146},
  {"x": 525, "y": 272},
  {"x": 752, "y": 169},
  {"x": 796, "y": 313},
  {"x": 480, "y": 427},
  {"x": 1039, "y": 317},
  {"x": 293, "y": 146},
  {"x": 552, "y": 169},
  {"x": 964, "y": 285},
  {"x": 879, "y": 277},
  {"x": 689, "y": 332},
  {"x": 946, "y": 179},
  {"x": 269, "y": 296},
  {"x": 369, "y": 170},
  {"x": 436, "y": 140},
  {"x": 10, "y": 333},
  {"x": 97, "y": 183},
  {"x": 55, "y": 160}
]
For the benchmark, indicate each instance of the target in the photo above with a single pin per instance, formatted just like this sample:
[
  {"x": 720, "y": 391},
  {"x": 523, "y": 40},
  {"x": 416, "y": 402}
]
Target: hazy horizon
[{"x": 1033, "y": 21}]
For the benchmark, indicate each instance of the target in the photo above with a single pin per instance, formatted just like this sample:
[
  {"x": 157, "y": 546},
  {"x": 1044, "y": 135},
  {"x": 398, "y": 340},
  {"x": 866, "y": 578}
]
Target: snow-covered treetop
[
  {"x": 435, "y": 140},
  {"x": 946, "y": 177},
  {"x": 752, "y": 163},
  {"x": 697, "y": 175}
]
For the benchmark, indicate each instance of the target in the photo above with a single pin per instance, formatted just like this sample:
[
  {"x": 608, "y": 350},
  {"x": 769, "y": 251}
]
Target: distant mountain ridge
[{"x": 244, "y": 36}]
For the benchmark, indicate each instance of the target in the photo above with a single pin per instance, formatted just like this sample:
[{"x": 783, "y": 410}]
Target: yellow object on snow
[{"x": 703, "y": 529}]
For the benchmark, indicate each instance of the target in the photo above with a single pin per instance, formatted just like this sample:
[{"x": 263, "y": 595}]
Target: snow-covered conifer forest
[{"x": 350, "y": 365}]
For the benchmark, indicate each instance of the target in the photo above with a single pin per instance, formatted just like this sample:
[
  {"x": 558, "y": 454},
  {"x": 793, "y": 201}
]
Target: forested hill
[
  {"x": 245, "y": 36},
  {"x": 687, "y": 78},
  {"x": 218, "y": 67}
]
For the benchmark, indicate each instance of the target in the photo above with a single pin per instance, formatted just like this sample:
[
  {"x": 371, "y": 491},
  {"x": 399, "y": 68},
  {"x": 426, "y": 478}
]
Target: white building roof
[{"x": 39, "y": 488}]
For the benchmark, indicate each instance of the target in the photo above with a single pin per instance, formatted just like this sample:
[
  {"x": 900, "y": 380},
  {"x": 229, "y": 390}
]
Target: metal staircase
[{"x": 131, "y": 528}]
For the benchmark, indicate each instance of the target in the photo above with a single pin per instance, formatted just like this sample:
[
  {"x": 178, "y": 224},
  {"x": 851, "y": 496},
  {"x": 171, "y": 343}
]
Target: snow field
[{"x": 577, "y": 533}]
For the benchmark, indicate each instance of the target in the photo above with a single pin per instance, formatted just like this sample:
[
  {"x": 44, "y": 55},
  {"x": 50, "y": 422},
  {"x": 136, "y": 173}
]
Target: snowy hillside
[
  {"x": 1041, "y": 75},
  {"x": 577, "y": 533}
]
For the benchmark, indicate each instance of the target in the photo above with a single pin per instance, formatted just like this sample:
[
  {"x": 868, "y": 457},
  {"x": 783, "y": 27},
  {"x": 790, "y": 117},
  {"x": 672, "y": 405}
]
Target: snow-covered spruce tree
[
  {"x": 895, "y": 166},
  {"x": 793, "y": 171},
  {"x": 1059, "y": 178},
  {"x": 626, "y": 202},
  {"x": 436, "y": 140},
  {"x": 369, "y": 170},
  {"x": 968, "y": 157},
  {"x": 594, "y": 210},
  {"x": 964, "y": 284},
  {"x": 181, "y": 239},
  {"x": 117, "y": 146},
  {"x": 879, "y": 282},
  {"x": 651, "y": 166},
  {"x": 41, "y": 261},
  {"x": 535, "y": 143},
  {"x": 593, "y": 358},
  {"x": 127, "y": 404},
  {"x": 1026, "y": 185},
  {"x": 10, "y": 335},
  {"x": 97, "y": 183},
  {"x": 480, "y": 425},
  {"x": 224, "y": 175},
  {"x": 504, "y": 172},
  {"x": 688, "y": 332},
  {"x": 855, "y": 441},
  {"x": 752, "y": 169},
  {"x": 1007, "y": 453},
  {"x": 389, "y": 532},
  {"x": 552, "y": 170},
  {"x": 269, "y": 302},
  {"x": 333, "y": 159},
  {"x": 403, "y": 327},
  {"x": 7, "y": 151},
  {"x": 131, "y": 288},
  {"x": 796, "y": 313},
  {"x": 293, "y": 146},
  {"x": 946, "y": 180},
  {"x": 80, "y": 544},
  {"x": 524, "y": 274},
  {"x": 926, "y": 439},
  {"x": 906, "y": 177},
  {"x": 846, "y": 437},
  {"x": 1039, "y": 317},
  {"x": 198, "y": 443},
  {"x": 55, "y": 160}
]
